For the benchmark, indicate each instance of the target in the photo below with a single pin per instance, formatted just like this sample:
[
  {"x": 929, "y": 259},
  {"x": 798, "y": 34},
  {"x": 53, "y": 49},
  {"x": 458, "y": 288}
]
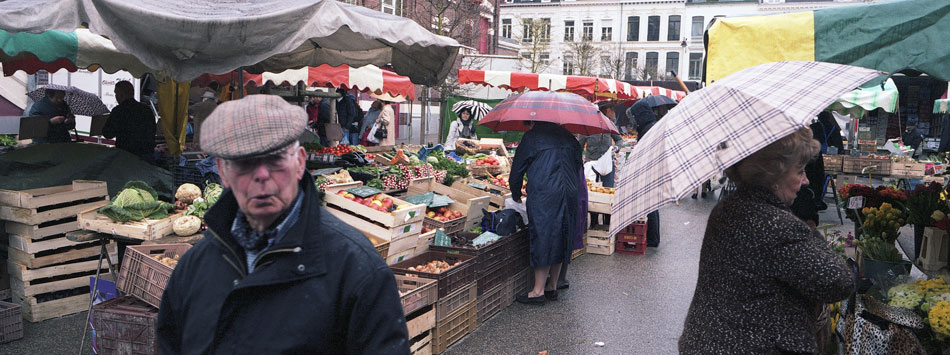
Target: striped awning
[
  {"x": 869, "y": 98},
  {"x": 942, "y": 106},
  {"x": 368, "y": 78},
  {"x": 587, "y": 86}
]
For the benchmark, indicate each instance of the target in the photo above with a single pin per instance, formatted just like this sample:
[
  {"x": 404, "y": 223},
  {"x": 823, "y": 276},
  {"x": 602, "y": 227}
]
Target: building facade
[{"x": 623, "y": 39}]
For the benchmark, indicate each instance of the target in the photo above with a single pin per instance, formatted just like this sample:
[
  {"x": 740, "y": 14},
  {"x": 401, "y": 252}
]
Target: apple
[
  {"x": 430, "y": 214},
  {"x": 447, "y": 214},
  {"x": 358, "y": 199},
  {"x": 350, "y": 196},
  {"x": 341, "y": 192},
  {"x": 378, "y": 197},
  {"x": 376, "y": 203},
  {"x": 457, "y": 214},
  {"x": 367, "y": 202}
]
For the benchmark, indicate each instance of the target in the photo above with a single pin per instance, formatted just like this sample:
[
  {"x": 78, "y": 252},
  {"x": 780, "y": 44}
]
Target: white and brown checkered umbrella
[
  {"x": 717, "y": 126},
  {"x": 80, "y": 102}
]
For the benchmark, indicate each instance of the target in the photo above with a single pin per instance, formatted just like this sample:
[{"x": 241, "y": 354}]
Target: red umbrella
[{"x": 569, "y": 110}]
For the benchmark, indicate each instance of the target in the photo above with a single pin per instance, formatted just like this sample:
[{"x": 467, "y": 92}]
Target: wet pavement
[{"x": 634, "y": 304}]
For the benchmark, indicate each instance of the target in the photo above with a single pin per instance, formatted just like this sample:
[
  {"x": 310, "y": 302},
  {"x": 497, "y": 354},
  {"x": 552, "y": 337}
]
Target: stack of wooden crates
[{"x": 48, "y": 274}]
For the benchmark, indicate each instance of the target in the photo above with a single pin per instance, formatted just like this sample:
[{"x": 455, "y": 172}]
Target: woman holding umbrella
[
  {"x": 53, "y": 105},
  {"x": 551, "y": 157},
  {"x": 469, "y": 112}
]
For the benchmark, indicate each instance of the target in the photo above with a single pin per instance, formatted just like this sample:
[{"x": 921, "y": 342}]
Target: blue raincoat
[{"x": 551, "y": 157}]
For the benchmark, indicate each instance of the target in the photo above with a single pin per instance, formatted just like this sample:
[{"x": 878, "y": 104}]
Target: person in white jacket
[{"x": 462, "y": 127}]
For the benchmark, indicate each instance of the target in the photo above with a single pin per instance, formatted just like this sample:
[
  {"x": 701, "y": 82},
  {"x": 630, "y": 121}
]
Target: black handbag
[{"x": 381, "y": 132}]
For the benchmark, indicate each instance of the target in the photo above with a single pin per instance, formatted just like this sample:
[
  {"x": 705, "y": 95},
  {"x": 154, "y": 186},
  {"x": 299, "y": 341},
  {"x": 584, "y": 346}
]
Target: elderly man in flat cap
[{"x": 275, "y": 273}]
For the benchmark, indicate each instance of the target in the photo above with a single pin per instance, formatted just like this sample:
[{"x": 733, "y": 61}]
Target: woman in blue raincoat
[{"x": 551, "y": 157}]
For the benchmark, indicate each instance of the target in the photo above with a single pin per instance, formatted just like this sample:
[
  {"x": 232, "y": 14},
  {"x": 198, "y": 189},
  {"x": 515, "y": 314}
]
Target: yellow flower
[{"x": 939, "y": 317}]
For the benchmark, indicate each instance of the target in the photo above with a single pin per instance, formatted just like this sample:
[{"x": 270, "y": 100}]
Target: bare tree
[
  {"x": 611, "y": 64},
  {"x": 451, "y": 18},
  {"x": 535, "y": 40},
  {"x": 585, "y": 55}
]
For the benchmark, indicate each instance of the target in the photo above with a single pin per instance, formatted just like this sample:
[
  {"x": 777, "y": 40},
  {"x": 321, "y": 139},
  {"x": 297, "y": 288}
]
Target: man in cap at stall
[{"x": 275, "y": 272}]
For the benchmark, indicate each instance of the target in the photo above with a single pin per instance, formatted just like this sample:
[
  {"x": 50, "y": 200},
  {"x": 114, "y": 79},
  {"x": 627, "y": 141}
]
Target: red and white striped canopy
[
  {"x": 582, "y": 85},
  {"x": 367, "y": 79},
  {"x": 656, "y": 90}
]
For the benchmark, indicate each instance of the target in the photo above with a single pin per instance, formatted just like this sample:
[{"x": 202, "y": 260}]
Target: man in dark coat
[
  {"x": 131, "y": 123},
  {"x": 346, "y": 112},
  {"x": 551, "y": 157},
  {"x": 275, "y": 273},
  {"x": 645, "y": 118},
  {"x": 53, "y": 106}
]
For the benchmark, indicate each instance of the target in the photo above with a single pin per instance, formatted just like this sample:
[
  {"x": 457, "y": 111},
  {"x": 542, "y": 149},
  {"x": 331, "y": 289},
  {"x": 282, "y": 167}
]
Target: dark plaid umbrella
[
  {"x": 569, "y": 110},
  {"x": 721, "y": 124},
  {"x": 80, "y": 102}
]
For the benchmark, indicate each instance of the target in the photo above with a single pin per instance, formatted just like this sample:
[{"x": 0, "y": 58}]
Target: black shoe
[
  {"x": 551, "y": 295},
  {"x": 562, "y": 285},
  {"x": 530, "y": 300},
  {"x": 694, "y": 196},
  {"x": 653, "y": 245},
  {"x": 704, "y": 194}
]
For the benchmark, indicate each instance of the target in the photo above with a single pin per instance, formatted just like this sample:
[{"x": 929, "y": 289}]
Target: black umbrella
[{"x": 657, "y": 100}]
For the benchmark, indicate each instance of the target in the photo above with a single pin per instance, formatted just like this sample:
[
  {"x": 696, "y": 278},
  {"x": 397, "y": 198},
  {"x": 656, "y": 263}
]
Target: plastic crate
[
  {"x": 637, "y": 228},
  {"x": 486, "y": 256},
  {"x": 519, "y": 251},
  {"x": 451, "y": 227},
  {"x": 487, "y": 279},
  {"x": 144, "y": 277},
  {"x": 11, "y": 322},
  {"x": 416, "y": 292},
  {"x": 639, "y": 248},
  {"x": 449, "y": 281},
  {"x": 125, "y": 325},
  {"x": 455, "y": 327},
  {"x": 448, "y": 304},
  {"x": 520, "y": 282},
  {"x": 493, "y": 301}
]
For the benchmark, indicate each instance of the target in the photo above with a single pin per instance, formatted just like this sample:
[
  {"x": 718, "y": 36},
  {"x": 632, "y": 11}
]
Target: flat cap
[{"x": 252, "y": 126}]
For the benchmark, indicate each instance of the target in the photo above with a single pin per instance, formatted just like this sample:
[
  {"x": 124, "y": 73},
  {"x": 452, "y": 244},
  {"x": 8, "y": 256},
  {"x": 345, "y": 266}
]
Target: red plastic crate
[
  {"x": 631, "y": 238},
  {"x": 125, "y": 325},
  {"x": 11, "y": 322},
  {"x": 144, "y": 277},
  {"x": 631, "y": 248},
  {"x": 638, "y": 228}
]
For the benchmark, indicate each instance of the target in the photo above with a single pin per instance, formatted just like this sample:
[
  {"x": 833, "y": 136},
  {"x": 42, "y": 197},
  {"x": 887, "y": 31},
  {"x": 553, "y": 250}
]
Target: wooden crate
[
  {"x": 471, "y": 204},
  {"x": 908, "y": 169},
  {"x": 855, "y": 165},
  {"x": 422, "y": 344},
  {"x": 43, "y": 230},
  {"x": 47, "y": 206},
  {"x": 598, "y": 207},
  {"x": 425, "y": 239},
  {"x": 598, "y": 242},
  {"x": 34, "y": 261},
  {"x": 833, "y": 163},
  {"x": 37, "y": 311},
  {"x": 601, "y": 198},
  {"x": 376, "y": 230},
  {"x": 421, "y": 321},
  {"x": 496, "y": 199},
  {"x": 146, "y": 229},
  {"x": 577, "y": 253},
  {"x": 32, "y": 282},
  {"x": 414, "y": 213}
]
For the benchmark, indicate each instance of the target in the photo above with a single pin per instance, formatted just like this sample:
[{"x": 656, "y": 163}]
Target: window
[
  {"x": 653, "y": 28},
  {"x": 568, "y": 31},
  {"x": 392, "y": 7},
  {"x": 588, "y": 34},
  {"x": 649, "y": 69},
  {"x": 567, "y": 68},
  {"x": 506, "y": 28},
  {"x": 527, "y": 34},
  {"x": 695, "y": 66},
  {"x": 545, "y": 34},
  {"x": 606, "y": 33},
  {"x": 630, "y": 66},
  {"x": 673, "y": 62},
  {"x": 633, "y": 28},
  {"x": 544, "y": 58},
  {"x": 698, "y": 26},
  {"x": 673, "y": 28}
]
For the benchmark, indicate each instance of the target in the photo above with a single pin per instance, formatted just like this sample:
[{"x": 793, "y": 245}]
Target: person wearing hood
[{"x": 462, "y": 127}]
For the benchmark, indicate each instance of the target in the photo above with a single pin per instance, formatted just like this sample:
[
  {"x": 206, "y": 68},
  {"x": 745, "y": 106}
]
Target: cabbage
[
  {"x": 212, "y": 193},
  {"x": 136, "y": 202}
]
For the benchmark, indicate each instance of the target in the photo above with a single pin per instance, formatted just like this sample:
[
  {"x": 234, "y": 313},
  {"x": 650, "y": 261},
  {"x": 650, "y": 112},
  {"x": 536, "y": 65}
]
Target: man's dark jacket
[
  {"x": 132, "y": 123},
  {"x": 57, "y": 133},
  {"x": 322, "y": 289},
  {"x": 346, "y": 112}
]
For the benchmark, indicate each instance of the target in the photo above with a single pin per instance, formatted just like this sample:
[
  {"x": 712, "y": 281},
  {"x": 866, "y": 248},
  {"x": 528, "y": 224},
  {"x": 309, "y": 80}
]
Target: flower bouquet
[
  {"x": 873, "y": 197},
  {"x": 922, "y": 202},
  {"x": 929, "y": 299}
]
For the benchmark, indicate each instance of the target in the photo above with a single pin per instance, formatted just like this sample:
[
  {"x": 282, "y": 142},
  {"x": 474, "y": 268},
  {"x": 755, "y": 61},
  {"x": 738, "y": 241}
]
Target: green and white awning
[
  {"x": 868, "y": 98},
  {"x": 942, "y": 106},
  {"x": 53, "y": 50}
]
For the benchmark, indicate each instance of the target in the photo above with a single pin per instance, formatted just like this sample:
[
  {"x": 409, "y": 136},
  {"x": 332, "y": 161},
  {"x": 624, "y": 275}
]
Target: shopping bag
[
  {"x": 605, "y": 164},
  {"x": 371, "y": 136}
]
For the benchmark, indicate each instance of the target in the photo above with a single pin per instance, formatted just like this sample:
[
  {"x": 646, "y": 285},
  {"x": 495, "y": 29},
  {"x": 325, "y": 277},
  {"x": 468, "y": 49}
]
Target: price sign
[{"x": 856, "y": 202}]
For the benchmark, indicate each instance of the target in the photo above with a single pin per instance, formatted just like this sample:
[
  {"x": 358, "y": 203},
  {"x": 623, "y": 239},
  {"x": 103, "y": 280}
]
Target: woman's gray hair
[{"x": 766, "y": 166}]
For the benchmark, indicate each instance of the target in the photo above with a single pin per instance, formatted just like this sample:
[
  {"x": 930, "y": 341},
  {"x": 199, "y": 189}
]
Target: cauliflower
[
  {"x": 187, "y": 193},
  {"x": 186, "y": 225}
]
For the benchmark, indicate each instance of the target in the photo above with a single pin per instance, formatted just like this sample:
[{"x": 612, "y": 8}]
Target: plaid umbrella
[
  {"x": 478, "y": 109},
  {"x": 79, "y": 102},
  {"x": 717, "y": 126},
  {"x": 569, "y": 110}
]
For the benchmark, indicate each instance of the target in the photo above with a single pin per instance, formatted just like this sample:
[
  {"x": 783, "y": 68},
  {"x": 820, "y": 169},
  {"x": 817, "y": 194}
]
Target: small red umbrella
[{"x": 569, "y": 110}]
